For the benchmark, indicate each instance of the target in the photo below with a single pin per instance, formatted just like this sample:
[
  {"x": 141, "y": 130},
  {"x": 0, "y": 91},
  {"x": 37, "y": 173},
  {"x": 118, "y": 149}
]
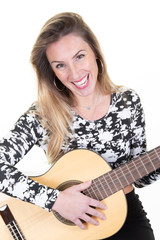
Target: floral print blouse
[{"x": 118, "y": 137}]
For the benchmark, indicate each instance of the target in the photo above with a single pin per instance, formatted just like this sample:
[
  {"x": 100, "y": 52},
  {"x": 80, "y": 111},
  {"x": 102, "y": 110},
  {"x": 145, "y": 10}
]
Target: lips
[{"x": 82, "y": 83}]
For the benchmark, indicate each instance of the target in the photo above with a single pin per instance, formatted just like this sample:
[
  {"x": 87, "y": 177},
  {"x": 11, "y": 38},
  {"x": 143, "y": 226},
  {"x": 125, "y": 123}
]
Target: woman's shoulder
[
  {"x": 127, "y": 94},
  {"x": 32, "y": 109},
  {"x": 33, "y": 112},
  {"x": 30, "y": 117},
  {"x": 126, "y": 90}
]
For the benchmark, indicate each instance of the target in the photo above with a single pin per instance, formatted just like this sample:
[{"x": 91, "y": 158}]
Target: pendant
[{"x": 89, "y": 108}]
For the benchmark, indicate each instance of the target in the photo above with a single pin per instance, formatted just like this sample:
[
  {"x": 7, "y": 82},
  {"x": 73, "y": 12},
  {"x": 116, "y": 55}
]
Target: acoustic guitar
[{"x": 21, "y": 220}]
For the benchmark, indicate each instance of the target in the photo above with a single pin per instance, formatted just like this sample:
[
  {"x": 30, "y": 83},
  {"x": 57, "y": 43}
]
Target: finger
[
  {"x": 88, "y": 219},
  {"x": 97, "y": 204},
  {"x": 79, "y": 224},
  {"x": 82, "y": 186},
  {"x": 93, "y": 212}
]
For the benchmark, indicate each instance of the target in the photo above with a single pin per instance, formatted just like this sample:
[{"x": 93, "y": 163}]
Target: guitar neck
[{"x": 117, "y": 179}]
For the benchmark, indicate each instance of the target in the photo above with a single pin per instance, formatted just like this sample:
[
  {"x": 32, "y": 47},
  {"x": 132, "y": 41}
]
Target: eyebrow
[
  {"x": 54, "y": 61},
  {"x": 78, "y": 53}
]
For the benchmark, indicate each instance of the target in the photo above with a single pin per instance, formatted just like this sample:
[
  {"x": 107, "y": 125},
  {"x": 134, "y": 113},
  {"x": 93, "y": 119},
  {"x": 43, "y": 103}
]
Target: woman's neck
[
  {"x": 94, "y": 107},
  {"x": 88, "y": 102}
]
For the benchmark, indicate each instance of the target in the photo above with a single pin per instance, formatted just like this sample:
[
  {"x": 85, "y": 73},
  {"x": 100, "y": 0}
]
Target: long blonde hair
[{"x": 54, "y": 106}]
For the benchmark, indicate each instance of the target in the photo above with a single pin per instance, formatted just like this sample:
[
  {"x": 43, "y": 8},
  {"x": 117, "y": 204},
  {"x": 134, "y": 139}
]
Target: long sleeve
[
  {"x": 26, "y": 133},
  {"x": 138, "y": 141}
]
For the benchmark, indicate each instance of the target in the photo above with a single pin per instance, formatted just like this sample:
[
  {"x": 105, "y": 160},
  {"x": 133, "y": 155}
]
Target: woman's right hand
[{"x": 75, "y": 206}]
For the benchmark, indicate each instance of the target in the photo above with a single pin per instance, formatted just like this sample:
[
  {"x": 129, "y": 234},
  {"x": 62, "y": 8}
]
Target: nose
[{"x": 74, "y": 72}]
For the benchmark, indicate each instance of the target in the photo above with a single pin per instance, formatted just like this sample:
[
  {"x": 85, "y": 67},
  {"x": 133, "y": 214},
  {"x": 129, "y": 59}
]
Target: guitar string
[
  {"x": 101, "y": 187},
  {"x": 18, "y": 230},
  {"x": 116, "y": 178},
  {"x": 145, "y": 161},
  {"x": 34, "y": 219},
  {"x": 13, "y": 231},
  {"x": 156, "y": 153},
  {"x": 150, "y": 160},
  {"x": 151, "y": 154},
  {"x": 113, "y": 189},
  {"x": 138, "y": 163},
  {"x": 127, "y": 171}
]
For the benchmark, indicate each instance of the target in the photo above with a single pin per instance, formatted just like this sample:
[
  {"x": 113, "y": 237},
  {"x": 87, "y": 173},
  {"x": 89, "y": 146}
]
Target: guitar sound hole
[{"x": 62, "y": 187}]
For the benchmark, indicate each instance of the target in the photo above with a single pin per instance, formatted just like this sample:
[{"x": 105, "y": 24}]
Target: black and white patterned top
[{"x": 118, "y": 137}]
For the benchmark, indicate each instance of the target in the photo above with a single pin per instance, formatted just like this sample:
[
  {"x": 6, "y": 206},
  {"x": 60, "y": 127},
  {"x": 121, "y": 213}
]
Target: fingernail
[
  {"x": 84, "y": 227},
  {"x": 104, "y": 207}
]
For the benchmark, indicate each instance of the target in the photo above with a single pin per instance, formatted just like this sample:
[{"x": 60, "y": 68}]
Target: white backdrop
[{"x": 129, "y": 33}]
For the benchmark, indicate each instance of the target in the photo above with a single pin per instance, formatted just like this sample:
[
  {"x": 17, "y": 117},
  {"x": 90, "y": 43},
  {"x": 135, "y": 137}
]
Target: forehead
[{"x": 66, "y": 46}]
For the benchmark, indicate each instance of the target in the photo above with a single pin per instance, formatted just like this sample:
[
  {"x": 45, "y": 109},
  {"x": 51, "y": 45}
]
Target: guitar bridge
[{"x": 11, "y": 223}]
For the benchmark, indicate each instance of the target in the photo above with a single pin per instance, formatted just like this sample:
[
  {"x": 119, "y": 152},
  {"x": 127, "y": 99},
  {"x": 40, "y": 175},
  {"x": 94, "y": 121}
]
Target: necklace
[
  {"x": 97, "y": 111},
  {"x": 89, "y": 112},
  {"x": 89, "y": 107}
]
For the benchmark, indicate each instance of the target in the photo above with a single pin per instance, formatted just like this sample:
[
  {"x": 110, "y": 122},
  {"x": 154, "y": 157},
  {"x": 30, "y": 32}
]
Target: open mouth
[{"x": 82, "y": 83}]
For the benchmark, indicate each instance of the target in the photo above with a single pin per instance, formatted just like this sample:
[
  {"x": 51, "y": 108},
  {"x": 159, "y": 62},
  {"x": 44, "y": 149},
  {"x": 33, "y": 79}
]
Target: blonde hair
[{"x": 54, "y": 106}]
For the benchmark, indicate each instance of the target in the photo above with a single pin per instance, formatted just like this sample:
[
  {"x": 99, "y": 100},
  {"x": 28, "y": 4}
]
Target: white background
[{"x": 129, "y": 34}]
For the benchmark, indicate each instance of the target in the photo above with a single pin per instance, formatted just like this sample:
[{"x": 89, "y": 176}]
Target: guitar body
[{"x": 36, "y": 223}]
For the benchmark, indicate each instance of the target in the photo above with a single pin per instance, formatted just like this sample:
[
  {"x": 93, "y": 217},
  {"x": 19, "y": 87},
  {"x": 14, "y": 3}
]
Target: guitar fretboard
[{"x": 117, "y": 179}]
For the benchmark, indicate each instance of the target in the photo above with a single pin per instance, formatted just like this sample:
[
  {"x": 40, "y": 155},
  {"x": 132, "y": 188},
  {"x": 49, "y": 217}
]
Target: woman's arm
[{"x": 26, "y": 133}]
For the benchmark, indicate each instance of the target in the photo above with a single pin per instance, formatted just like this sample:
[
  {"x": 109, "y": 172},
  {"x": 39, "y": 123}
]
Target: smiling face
[{"x": 74, "y": 64}]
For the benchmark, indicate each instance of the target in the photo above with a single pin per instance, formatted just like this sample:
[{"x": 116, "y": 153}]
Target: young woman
[{"x": 78, "y": 106}]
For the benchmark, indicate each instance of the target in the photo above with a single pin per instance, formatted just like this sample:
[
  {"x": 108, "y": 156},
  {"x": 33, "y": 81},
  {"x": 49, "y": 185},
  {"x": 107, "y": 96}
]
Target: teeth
[{"x": 82, "y": 82}]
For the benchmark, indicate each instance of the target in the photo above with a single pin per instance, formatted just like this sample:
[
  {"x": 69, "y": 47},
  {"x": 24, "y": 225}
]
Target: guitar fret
[
  {"x": 87, "y": 192},
  {"x": 133, "y": 170},
  {"x": 97, "y": 190},
  {"x": 155, "y": 161},
  {"x": 156, "y": 164},
  {"x": 125, "y": 173},
  {"x": 144, "y": 168},
  {"x": 99, "y": 193},
  {"x": 108, "y": 185},
  {"x": 116, "y": 180},
  {"x": 131, "y": 175},
  {"x": 92, "y": 192},
  {"x": 123, "y": 177},
  {"x": 136, "y": 169},
  {"x": 112, "y": 183},
  {"x": 100, "y": 189},
  {"x": 156, "y": 153},
  {"x": 120, "y": 186},
  {"x": 149, "y": 164}
]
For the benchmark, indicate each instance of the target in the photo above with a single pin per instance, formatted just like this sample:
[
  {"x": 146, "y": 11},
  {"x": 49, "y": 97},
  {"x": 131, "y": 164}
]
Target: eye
[
  {"x": 60, "y": 66},
  {"x": 80, "y": 56}
]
